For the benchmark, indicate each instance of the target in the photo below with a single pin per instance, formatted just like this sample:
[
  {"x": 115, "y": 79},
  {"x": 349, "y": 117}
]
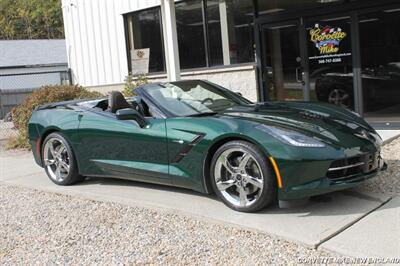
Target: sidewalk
[{"x": 377, "y": 235}]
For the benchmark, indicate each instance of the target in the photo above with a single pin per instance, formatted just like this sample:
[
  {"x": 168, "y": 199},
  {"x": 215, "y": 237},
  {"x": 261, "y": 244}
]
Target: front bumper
[{"x": 329, "y": 182}]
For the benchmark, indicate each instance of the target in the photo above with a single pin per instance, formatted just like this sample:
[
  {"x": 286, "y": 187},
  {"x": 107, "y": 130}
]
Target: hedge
[{"x": 46, "y": 94}]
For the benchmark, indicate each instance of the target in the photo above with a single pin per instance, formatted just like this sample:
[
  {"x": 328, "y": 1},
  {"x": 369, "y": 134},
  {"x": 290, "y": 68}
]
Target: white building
[{"x": 101, "y": 33}]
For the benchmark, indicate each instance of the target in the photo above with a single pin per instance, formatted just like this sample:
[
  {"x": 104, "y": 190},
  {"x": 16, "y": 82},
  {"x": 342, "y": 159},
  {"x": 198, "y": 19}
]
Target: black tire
[
  {"x": 73, "y": 175},
  {"x": 267, "y": 195},
  {"x": 341, "y": 91}
]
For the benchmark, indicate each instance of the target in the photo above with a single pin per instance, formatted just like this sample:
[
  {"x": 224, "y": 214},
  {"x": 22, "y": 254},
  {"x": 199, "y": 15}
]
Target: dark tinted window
[
  {"x": 214, "y": 33},
  {"x": 330, "y": 60},
  {"x": 380, "y": 61},
  {"x": 229, "y": 32},
  {"x": 240, "y": 27},
  {"x": 189, "y": 25},
  {"x": 146, "y": 26},
  {"x": 274, "y": 7},
  {"x": 235, "y": 17}
]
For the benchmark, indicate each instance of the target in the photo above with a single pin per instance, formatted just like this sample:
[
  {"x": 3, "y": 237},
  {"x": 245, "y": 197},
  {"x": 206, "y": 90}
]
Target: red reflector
[{"x": 38, "y": 152}]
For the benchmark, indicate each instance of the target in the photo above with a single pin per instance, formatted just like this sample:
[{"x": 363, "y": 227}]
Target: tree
[{"x": 31, "y": 19}]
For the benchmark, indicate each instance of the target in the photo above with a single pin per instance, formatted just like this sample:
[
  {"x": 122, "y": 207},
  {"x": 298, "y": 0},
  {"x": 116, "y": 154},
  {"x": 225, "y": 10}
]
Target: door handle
[
  {"x": 299, "y": 75},
  {"x": 80, "y": 114}
]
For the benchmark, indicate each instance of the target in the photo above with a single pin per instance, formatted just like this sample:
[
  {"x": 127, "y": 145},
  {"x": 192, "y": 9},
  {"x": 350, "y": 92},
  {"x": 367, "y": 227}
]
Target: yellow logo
[
  {"x": 140, "y": 54},
  {"x": 327, "y": 39}
]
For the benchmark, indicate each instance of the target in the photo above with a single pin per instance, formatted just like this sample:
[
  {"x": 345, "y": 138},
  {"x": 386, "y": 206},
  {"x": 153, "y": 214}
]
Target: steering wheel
[{"x": 207, "y": 100}]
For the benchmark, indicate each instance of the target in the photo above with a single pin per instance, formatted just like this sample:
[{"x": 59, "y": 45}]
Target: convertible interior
[
  {"x": 116, "y": 101},
  {"x": 187, "y": 98}
]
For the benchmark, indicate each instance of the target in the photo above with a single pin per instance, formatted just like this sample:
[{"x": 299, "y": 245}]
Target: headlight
[{"x": 291, "y": 137}]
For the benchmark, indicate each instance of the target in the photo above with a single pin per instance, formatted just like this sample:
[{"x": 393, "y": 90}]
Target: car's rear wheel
[
  {"x": 59, "y": 161},
  {"x": 242, "y": 178}
]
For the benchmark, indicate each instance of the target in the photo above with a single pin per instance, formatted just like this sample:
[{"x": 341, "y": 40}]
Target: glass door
[
  {"x": 282, "y": 66},
  {"x": 380, "y": 65},
  {"x": 329, "y": 60},
  {"x": 309, "y": 59}
]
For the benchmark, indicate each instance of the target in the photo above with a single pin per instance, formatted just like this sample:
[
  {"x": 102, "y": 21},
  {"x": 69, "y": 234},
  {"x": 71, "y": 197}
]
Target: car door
[{"x": 116, "y": 148}]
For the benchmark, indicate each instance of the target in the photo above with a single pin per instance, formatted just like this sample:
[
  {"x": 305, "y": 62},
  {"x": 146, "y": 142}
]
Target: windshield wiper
[{"x": 202, "y": 114}]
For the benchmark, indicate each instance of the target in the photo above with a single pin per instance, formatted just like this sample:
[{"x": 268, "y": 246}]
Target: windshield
[{"x": 193, "y": 97}]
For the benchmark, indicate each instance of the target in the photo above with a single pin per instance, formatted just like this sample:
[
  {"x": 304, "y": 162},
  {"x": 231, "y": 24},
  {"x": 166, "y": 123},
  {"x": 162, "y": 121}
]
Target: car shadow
[
  {"x": 151, "y": 186},
  {"x": 331, "y": 204}
]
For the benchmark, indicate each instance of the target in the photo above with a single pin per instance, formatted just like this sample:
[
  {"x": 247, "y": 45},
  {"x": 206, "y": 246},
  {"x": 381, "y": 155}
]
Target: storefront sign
[
  {"x": 140, "y": 61},
  {"x": 328, "y": 40}
]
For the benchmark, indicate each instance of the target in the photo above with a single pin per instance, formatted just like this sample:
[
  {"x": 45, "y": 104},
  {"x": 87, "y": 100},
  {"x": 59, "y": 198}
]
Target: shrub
[
  {"x": 17, "y": 142},
  {"x": 131, "y": 84},
  {"x": 46, "y": 94}
]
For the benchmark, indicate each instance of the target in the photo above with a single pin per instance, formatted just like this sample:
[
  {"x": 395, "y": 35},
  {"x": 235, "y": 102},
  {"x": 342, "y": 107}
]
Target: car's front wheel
[
  {"x": 242, "y": 178},
  {"x": 59, "y": 161}
]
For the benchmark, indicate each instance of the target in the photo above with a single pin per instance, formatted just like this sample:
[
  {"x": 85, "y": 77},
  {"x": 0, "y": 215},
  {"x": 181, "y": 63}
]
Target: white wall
[
  {"x": 95, "y": 39},
  {"x": 237, "y": 78}
]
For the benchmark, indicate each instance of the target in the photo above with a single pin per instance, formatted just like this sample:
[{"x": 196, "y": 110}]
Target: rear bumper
[{"x": 36, "y": 150}]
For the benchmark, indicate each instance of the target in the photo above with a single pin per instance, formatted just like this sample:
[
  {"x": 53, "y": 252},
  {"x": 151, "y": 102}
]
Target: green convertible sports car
[{"x": 198, "y": 135}]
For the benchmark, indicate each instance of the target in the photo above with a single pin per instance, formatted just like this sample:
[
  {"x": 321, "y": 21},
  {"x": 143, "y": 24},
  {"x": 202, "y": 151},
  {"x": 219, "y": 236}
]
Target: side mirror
[{"x": 131, "y": 114}]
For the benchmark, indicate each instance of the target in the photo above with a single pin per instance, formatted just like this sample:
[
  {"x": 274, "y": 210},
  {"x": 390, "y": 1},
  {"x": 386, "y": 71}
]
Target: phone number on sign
[{"x": 329, "y": 60}]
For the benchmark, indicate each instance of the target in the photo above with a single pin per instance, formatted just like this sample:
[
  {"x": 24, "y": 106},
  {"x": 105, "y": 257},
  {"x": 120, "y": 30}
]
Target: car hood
[{"x": 328, "y": 122}]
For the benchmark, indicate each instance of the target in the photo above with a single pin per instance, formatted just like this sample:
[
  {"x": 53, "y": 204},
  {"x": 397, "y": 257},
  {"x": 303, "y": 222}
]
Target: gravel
[
  {"x": 387, "y": 182},
  {"x": 48, "y": 228}
]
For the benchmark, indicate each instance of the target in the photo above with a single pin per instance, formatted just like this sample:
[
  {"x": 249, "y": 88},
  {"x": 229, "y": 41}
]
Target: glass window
[
  {"x": 214, "y": 33},
  {"x": 282, "y": 51},
  {"x": 276, "y": 6},
  {"x": 380, "y": 63},
  {"x": 189, "y": 25},
  {"x": 240, "y": 27},
  {"x": 330, "y": 60},
  {"x": 146, "y": 27},
  {"x": 229, "y": 32}
]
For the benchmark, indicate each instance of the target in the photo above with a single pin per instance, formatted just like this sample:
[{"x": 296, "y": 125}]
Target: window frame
[
  {"x": 207, "y": 41},
  {"x": 127, "y": 41},
  {"x": 205, "y": 26}
]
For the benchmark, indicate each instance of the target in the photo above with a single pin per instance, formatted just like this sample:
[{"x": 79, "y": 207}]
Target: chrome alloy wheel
[
  {"x": 56, "y": 159},
  {"x": 339, "y": 97},
  {"x": 238, "y": 177}
]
